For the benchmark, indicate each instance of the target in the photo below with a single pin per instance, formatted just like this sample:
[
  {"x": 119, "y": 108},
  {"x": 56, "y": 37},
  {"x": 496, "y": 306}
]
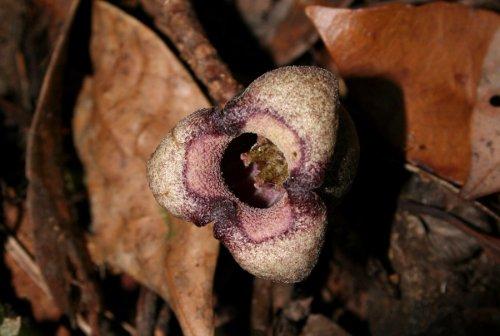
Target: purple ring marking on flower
[{"x": 294, "y": 108}]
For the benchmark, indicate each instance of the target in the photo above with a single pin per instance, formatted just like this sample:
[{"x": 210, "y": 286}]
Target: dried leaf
[
  {"x": 434, "y": 53},
  {"x": 436, "y": 255},
  {"x": 282, "y": 26},
  {"x": 190, "y": 262},
  {"x": 26, "y": 277},
  {"x": 58, "y": 244},
  {"x": 28, "y": 282},
  {"x": 138, "y": 92},
  {"x": 484, "y": 175}
]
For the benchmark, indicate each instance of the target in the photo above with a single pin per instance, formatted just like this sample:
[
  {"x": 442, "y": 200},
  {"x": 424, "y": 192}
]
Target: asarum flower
[{"x": 252, "y": 169}]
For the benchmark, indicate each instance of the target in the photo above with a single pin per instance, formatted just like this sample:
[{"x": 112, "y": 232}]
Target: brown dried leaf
[
  {"x": 58, "y": 245},
  {"x": 434, "y": 53},
  {"x": 190, "y": 262},
  {"x": 444, "y": 253},
  {"x": 282, "y": 26},
  {"x": 27, "y": 278},
  {"x": 24, "y": 271},
  {"x": 138, "y": 92}
]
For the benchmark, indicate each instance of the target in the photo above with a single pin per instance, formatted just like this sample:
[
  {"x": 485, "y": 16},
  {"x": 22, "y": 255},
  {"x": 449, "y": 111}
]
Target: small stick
[
  {"x": 161, "y": 327},
  {"x": 26, "y": 262},
  {"x": 145, "y": 318},
  {"x": 178, "y": 21},
  {"x": 447, "y": 185},
  {"x": 490, "y": 244}
]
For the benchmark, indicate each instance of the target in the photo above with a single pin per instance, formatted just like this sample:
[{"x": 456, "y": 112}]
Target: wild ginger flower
[{"x": 252, "y": 167}]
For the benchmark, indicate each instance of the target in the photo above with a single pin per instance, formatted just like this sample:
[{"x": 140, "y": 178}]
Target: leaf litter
[
  {"x": 407, "y": 252},
  {"x": 139, "y": 90}
]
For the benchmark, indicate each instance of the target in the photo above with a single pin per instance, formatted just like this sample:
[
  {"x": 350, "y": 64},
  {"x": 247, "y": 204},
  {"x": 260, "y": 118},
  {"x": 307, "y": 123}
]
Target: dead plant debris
[{"x": 89, "y": 88}]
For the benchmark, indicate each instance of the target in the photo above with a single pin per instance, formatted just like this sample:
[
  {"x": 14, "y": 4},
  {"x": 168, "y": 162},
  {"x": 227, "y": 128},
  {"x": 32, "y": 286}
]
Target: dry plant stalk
[{"x": 177, "y": 20}]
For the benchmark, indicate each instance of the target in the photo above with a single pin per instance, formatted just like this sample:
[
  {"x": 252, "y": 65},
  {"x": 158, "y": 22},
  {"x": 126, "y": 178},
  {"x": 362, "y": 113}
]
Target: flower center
[{"x": 254, "y": 169}]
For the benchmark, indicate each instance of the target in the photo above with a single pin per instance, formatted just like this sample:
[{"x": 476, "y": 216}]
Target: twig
[
  {"x": 145, "y": 317},
  {"x": 450, "y": 187},
  {"x": 490, "y": 244},
  {"x": 23, "y": 81},
  {"x": 26, "y": 262},
  {"x": 161, "y": 327},
  {"x": 178, "y": 21}
]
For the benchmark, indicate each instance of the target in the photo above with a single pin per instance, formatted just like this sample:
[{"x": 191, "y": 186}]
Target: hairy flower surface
[{"x": 252, "y": 168}]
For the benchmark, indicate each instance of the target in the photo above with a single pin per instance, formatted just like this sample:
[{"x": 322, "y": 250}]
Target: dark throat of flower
[{"x": 255, "y": 169}]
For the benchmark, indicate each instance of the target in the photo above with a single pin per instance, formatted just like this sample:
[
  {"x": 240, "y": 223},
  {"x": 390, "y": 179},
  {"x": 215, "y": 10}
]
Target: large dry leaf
[
  {"x": 138, "y": 92},
  {"x": 58, "y": 242},
  {"x": 435, "y": 54}
]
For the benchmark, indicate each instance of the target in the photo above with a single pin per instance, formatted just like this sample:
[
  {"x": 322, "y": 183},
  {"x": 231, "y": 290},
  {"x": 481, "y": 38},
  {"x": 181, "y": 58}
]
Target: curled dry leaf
[
  {"x": 138, "y": 92},
  {"x": 435, "y": 53},
  {"x": 58, "y": 244},
  {"x": 282, "y": 26}
]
